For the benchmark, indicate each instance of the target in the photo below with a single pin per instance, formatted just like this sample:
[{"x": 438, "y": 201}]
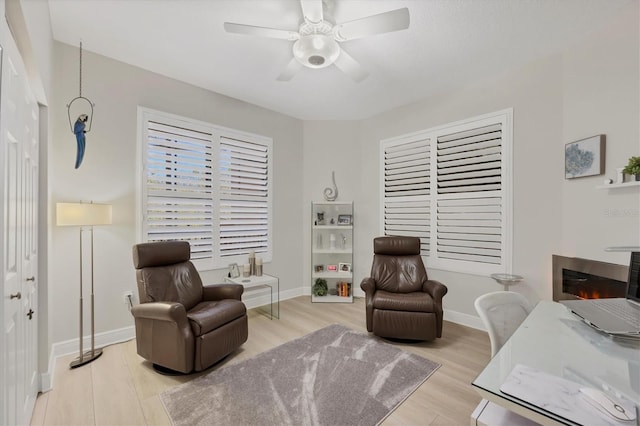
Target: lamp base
[{"x": 86, "y": 358}]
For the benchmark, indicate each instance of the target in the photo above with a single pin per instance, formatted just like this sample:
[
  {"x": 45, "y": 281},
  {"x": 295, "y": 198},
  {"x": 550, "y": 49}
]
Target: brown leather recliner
[
  {"x": 401, "y": 301},
  {"x": 182, "y": 325}
]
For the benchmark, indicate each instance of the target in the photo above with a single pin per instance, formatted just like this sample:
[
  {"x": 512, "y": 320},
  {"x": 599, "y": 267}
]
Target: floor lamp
[{"x": 84, "y": 215}]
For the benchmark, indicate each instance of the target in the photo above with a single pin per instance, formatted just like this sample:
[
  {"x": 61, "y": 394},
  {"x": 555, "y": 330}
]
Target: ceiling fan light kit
[
  {"x": 316, "y": 51},
  {"x": 316, "y": 44}
]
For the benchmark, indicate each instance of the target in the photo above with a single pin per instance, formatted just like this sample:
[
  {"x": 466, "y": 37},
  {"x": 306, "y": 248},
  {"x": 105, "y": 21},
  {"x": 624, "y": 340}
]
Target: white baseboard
[
  {"x": 464, "y": 319},
  {"x": 127, "y": 333},
  {"x": 68, "y": 347}
]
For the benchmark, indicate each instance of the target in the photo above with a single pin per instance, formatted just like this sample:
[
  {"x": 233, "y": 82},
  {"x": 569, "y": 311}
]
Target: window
[
  {"x": 207, "y": 185},
  {"x": 451, "y": 186}
]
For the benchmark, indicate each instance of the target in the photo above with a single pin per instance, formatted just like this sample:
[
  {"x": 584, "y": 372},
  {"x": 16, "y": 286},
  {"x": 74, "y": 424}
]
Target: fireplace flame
[{"x": 590, "y": 294}]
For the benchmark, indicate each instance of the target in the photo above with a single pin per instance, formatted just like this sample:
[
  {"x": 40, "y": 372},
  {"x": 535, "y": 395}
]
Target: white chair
[{"x": 501, "y": 312}]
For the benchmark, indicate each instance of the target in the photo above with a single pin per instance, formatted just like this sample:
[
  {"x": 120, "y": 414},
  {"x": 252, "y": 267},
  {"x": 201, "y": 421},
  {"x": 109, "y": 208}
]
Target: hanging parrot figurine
[{"x": 79, "y": 131}]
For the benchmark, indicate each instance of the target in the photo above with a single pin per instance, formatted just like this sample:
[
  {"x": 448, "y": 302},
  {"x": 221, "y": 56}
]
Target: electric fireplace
[{"x": 577, "y": 278}]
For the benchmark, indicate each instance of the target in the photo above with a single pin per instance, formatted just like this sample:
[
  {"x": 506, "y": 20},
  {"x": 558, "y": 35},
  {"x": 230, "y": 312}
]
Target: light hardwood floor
[{"x": 120, "y": 388}]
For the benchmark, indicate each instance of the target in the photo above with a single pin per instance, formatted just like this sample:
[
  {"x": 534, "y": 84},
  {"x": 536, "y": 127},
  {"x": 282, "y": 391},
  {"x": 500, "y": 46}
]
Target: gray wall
[
  {"x": 590, "y": 89},
  {"x": 108, "y": 174}
]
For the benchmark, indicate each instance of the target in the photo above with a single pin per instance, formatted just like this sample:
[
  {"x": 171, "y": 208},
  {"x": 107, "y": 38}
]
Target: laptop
[{"x": 615, "y": 316}]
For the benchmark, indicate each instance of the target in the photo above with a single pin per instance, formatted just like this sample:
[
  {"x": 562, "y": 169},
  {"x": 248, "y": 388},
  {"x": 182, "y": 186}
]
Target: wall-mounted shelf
[{"x": 619, "y": 185}]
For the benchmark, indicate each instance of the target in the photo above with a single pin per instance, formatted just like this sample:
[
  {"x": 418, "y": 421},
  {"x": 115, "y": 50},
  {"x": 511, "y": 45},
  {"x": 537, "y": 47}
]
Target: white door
[
  {"x": 29, "y": 235},
  {"x": 19, "y": 155}
]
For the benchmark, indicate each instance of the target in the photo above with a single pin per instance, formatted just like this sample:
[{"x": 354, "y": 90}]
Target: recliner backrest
[
  {"x": 397, "y": 265},
  {"x": 165, "y": 273}
]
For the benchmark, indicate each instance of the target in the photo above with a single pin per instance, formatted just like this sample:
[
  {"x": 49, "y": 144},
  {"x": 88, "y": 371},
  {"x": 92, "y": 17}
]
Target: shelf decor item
[
  {"x": 585, "y": 157},
  {"x": 633, "y": 168},
  {"x": 331, "y": 194},
  {"x": 320, "y": 287},
  {"x": 344, "y": 219},
  {"x": 234, "y": 271},
  {"x": 344, "y": 267}
]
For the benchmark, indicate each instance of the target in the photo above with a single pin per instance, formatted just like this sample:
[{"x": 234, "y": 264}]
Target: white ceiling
[{"x": 449, "y": 43}]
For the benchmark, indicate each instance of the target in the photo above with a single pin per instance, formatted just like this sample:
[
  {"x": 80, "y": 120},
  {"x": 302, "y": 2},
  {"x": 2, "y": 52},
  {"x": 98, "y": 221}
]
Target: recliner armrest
[
  {"x": 436, "y": 289},
  {"x": 368, "y": 285},
  {"x": 223, "y": 291},
  {"x": 162, "y": 311}
]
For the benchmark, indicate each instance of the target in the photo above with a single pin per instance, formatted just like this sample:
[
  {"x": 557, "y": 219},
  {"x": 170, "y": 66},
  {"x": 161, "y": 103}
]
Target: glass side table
[
  {"x": 506, "y": 279},
  {"x": 263, "y": 282}
]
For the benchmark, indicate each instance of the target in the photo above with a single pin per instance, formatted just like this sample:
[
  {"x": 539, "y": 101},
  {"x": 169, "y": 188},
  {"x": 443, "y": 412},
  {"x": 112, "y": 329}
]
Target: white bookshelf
[{"x": 332, "y": 251}]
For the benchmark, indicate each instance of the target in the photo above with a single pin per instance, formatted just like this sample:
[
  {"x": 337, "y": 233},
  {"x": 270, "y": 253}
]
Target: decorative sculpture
[
  {"x": 78, "y": 129},
  {"x": 83, "y": 122},
  {"x": 331, "y": 194}
]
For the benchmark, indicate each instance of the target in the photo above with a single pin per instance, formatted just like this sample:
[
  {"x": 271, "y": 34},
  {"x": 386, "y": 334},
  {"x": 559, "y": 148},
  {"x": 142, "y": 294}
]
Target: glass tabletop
[
  {"x": 510, "y": 278},
  {"x": 554, "y": 341}
]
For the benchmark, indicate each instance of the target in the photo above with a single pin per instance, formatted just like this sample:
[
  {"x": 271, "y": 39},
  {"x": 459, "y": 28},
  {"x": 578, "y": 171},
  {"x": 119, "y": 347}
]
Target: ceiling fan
[{"x": 317, "y": 39}]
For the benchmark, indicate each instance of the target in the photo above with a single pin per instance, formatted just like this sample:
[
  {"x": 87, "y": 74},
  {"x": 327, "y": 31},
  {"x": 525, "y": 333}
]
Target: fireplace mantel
[{"x": 587, "y": 266}]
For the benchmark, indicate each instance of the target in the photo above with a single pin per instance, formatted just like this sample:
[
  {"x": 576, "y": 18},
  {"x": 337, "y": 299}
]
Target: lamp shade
[{"x": 82, "y": 214}]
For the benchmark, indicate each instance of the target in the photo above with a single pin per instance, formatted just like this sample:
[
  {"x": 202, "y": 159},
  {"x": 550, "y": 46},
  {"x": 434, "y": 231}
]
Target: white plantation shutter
[
  {"x": 451, "y": 186},
  {"x": 407, "y": 186},
  {"x": 244, "y": 197},
  {"x": 207, "y": 185},
  {"x": 179, "y": 205},
  {"x": 469, "y": 199}
]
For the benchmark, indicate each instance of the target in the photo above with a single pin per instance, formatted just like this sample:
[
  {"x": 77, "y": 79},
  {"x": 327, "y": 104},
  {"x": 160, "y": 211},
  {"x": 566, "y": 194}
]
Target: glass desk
[
  {"x": 554, "y": 341},
  {"x": 263, "y": 282}
]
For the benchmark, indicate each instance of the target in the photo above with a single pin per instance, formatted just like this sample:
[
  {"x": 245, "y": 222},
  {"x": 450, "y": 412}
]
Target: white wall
[
  {"x": 601, "y": 83},
  {"x": 534, "y": 93},
  {"x": 330, "y": 146},
  {"x": 590, "y": 89},
  {"x": 108, "y": 174}
]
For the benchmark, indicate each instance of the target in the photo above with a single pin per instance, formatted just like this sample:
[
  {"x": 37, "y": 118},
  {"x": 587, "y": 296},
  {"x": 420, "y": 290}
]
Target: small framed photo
[
  {"x": 344, "y": 219},
  {"x": 234, "y": 271},
  {"x": 319, "y": 268},
  {"x": 585, "y": 157},
  {"x": 332, "y": 268},
  {"x": 344, "y": 267}
]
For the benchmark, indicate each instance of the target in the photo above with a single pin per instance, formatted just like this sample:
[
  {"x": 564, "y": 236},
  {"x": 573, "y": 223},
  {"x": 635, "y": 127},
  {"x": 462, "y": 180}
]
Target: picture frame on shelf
[
  {"x": 344, "y": 219},
  {"x": 234, "y": 270},
  {"x": 319, "y": 268},
  {"x": 585, "y": 157},
  {"x": 344, "y": 267},
  {"x": 332, "y": 268}
]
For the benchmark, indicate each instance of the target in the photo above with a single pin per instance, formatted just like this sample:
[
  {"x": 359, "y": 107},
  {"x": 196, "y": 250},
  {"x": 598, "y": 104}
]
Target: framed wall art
[{"x": 584, "y": 157}]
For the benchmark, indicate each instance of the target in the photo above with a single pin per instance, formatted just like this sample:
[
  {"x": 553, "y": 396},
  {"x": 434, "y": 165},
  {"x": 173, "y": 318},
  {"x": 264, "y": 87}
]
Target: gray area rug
[{"x": 333, "y": 376}]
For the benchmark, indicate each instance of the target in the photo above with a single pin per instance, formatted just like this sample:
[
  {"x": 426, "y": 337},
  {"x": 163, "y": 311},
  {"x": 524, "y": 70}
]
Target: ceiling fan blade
[
  {"x": 290, "y": 70},
  {"x": 386, "y": 22},
  {"x": 251, "y": 30},
  {"x": 312, "y": 10},
  {"x": 350, "y": 67}
]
